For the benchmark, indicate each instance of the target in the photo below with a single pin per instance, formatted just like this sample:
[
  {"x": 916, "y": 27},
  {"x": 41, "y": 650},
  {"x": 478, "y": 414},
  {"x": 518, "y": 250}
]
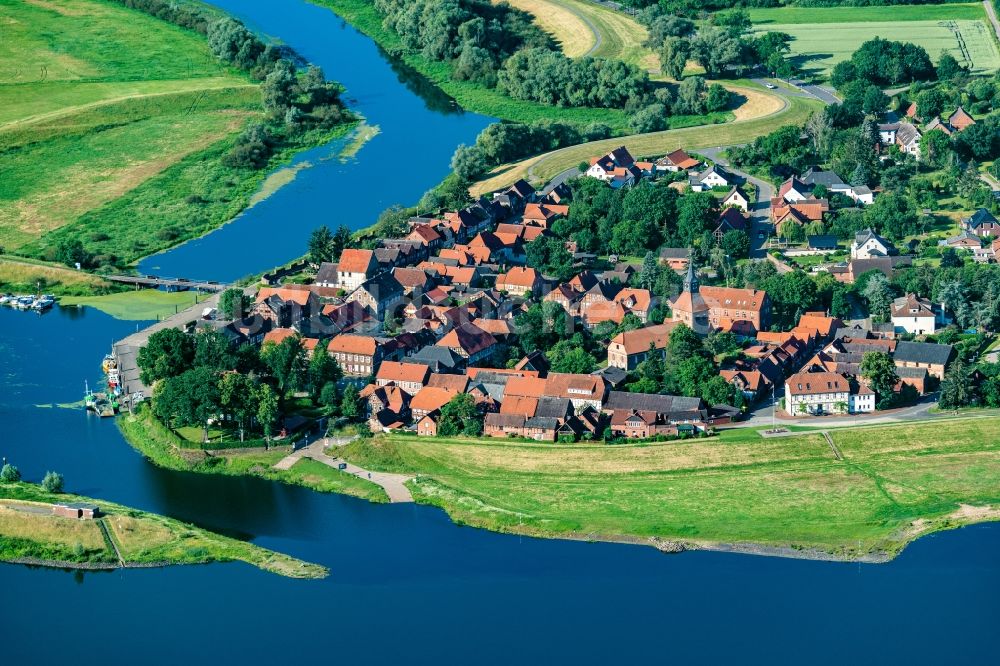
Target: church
[{"x": 707, "y": 308}]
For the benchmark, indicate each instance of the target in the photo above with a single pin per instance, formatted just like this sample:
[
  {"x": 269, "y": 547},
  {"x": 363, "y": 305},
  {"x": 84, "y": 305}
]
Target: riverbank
[
  {"x": 488, "y": 101},
  {"x": 120, "y": 537},
  {"x": 165, "y": 449},
  {"x": 121, "y": 145},
  {"x": 787, "y": 497}
]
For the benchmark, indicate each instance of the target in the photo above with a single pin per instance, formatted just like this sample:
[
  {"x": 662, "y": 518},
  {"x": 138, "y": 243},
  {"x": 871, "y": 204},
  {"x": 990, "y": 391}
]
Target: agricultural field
[
  {"x": 825, "y": 36},
  {"x": 585, "y": 28},
  {"x": 893, "y": 483},
  {"x": 95, "y": 101}
]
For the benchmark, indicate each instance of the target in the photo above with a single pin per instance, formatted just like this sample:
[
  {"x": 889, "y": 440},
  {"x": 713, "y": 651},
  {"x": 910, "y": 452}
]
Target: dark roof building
[{"x": 923, "y": 353}]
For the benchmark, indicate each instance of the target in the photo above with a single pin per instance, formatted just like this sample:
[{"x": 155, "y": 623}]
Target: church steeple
[{"x": 691, "y": 280}]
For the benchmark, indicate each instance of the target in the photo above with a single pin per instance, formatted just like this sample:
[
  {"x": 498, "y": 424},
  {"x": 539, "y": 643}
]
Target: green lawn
[
  {"x": 950, "y": 11},
  {"x": 825, "y": 36},
  {"x": 894, "y": 483},
  {"x": 96, "y": 100},
  {"x": 141, "y": 305},
  {"x": 140, "y": 537},
  {"x": 166, "y": 449}
]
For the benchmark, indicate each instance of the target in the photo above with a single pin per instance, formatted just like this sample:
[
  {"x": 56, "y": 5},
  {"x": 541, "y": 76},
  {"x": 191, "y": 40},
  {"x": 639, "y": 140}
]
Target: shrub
[{"x": 53, "y": 482}]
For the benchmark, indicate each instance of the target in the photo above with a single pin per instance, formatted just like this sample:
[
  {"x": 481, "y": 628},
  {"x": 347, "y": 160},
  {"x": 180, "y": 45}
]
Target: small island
[{"x": 68, "y": 531}]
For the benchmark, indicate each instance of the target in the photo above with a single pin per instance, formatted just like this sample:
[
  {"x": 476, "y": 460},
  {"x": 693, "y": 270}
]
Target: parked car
[
  {"x": 342, "y": 466},
  {"x": 770, "y": 86}
]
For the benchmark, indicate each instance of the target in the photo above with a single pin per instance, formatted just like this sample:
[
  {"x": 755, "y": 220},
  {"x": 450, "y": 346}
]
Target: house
[
  {"x": 355, "y": 266},
  {"x": 427, "y": 425},
  {"x": 439, "y": 359},
  {"x": 751, "y": 382},
  {"x": 868, "y": 244},
  {"x": 730, "y": 219},
  {"x": 932, "y": 357},
  {"x": 602, "y": 167},
  {"x": 470, "y": 342},
  {"x": 658, "y": 414},
  {"x": 908, "y": 139},
  {"x": 519, "y": 281},
  {"x": 284, "y": 306},
  {"x": 380, "y": 294},
  {"x": 630, "y": 348},
  {"x": 326, "y": 276},
  {"x": 429, "y": 399},
  {"x": 426, "y": 235},
  {"x": 713, "y": 176},
  {"x": 676, "y": 161},
  {"x": 388, "y": 407},
  {"x": 581, "y": 390},
  {"x": 817, "y": 393},
  {"x": 617, "y": 168},
  {"x": 676, "y": 258},
  {"x": 411, "y": 377},
  {"x": 541, "y": 215},
  {"x": 834, "y": 184},
  {"x": 794, "y": 190},
  {"x": 965, "y": 240},
  {"x": 982, "y": 223},
  {"x": 960, "y": 119},
  {"x": 852, "y": 270},
  {"x": 915, "y": 315},
  {"x": 358, "y": 355},
  {"x": 737, "y": 198},
  {"x": 638, "y": 302}
]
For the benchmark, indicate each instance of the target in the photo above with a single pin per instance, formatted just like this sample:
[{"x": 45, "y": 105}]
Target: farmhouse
[
  {"x": 676, "y": 161},
  {"x": 932, "y": 357}
]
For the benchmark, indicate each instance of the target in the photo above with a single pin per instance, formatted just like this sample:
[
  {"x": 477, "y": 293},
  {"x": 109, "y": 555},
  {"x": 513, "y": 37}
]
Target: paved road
[
  {"x": 760, "y": 213},
  {"x": 394, "y": 485},
  {"x": 993, "y": 16}
]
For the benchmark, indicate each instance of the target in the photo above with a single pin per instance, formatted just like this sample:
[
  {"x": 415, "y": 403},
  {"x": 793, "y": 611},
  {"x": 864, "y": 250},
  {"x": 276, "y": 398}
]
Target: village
[{"x": 435, "y": 322}]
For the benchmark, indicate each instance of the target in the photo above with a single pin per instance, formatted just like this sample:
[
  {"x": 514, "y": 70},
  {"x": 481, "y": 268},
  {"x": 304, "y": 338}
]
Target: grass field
[
  {"x": 894, "y": 483},
  {"x": 163, "y": 448},
  {"x": 137, "y": 305},
  {"x": 825, "y": 36},
  {"x": 29, "y": 530},
  {"x": 26, "y": 275},
  {"x": 95, "y": 100},
  {"x": 541, "y": 168}
]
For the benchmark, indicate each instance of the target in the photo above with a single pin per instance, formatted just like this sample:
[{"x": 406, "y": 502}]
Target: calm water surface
[
  {"x": 407, "y": 586},
  {"x": 420, "y": 129}
]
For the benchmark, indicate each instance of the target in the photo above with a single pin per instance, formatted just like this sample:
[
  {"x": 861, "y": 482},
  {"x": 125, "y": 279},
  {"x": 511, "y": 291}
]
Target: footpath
[{"x": 394, "y": 485}]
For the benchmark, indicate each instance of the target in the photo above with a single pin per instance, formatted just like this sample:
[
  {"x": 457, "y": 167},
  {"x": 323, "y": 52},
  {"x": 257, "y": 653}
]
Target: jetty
[{"x": 169, "y": 283}]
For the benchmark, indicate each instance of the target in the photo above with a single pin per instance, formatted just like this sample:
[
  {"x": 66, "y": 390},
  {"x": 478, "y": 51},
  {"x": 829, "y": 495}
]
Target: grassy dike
[
  {"x": 787, "y": 496},
  {"x": 166, "y": 449},
  {"x": 30, "y": 534}
]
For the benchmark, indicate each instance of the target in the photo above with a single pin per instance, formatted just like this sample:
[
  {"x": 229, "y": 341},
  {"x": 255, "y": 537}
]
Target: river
[{"x": 407, "y": 585}]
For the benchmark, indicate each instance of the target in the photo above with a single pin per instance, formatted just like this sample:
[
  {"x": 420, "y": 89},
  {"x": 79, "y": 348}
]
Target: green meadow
[
  {"x": 824, "y": 36},
  {"x": 893, "y": 484},
  {"x": 95, "y": 101}
]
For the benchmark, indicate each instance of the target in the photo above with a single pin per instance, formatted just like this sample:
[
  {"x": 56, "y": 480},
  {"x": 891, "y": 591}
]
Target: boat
[
  {"x": 5, "y": 299},
  {"x": 109, "y": 362},
  {"x": 43, "y": 303}
]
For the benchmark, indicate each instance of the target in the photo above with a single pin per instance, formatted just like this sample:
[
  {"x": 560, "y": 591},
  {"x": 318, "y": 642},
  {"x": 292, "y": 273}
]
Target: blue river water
[
  {"x": 420, "y": 129},
  {"x": 406, "y": 584}
]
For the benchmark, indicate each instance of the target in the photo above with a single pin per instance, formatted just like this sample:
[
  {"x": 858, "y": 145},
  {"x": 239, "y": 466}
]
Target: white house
[
  {"x": 868, "y": 244},
  {"x": 908, "y": 139},
  {"x": 608, "y": 166},
  {"x": 713, "y": 176},
  {"x": 912, "y": 314},
  {"x": 737, "y": 198},
  {"x": 816, "y": 393},
  {"x": 355, "y": 267}
]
